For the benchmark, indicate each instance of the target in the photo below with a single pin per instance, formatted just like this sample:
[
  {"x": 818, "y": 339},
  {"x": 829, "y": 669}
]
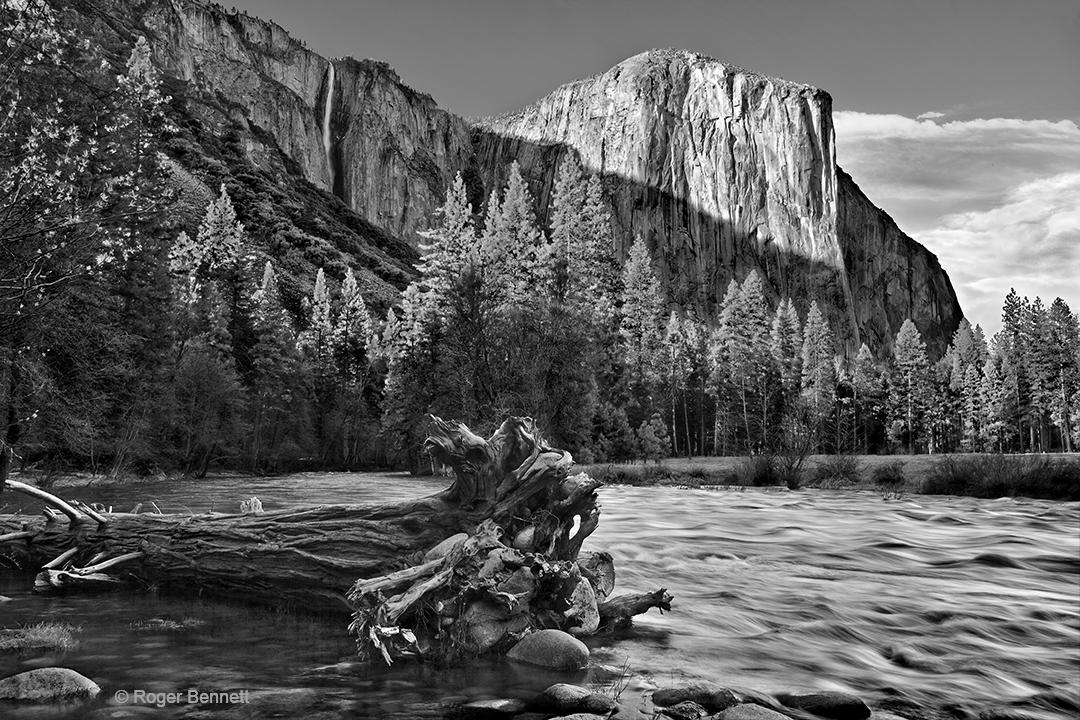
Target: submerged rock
[
  {"x": 834, "y": 705},
  {"x": 563, "y": 697},
  {"x": 489, "y": 709},
  {"x": 551, "y": 649},
  {"x": 44, "y": 685}
]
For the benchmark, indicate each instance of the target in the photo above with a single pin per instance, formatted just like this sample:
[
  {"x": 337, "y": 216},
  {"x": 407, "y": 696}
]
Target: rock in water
[
  {"x": 834, "y": 705},
  {"x": 490, "y": 709},
  {"x": 714, "y": 698},
  {"x": 564, "y": 697},
  {"x": 44, "y": 685},
  {"x": 687, "y": 710},
  {"x": 551, "y": 649},
  {"x": 750, "y": 711}
]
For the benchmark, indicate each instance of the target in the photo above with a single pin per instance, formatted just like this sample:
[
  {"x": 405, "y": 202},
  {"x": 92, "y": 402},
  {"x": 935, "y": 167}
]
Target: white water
[{"x": 326, "y": 121}]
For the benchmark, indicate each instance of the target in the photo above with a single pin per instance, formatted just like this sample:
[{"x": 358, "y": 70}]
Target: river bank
[{"x": 986, "y": 475}]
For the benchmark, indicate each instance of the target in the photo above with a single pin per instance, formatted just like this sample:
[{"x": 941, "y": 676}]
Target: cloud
[
  {"x": 998, "y": 200},
  {"x": 932, "y": 115}
]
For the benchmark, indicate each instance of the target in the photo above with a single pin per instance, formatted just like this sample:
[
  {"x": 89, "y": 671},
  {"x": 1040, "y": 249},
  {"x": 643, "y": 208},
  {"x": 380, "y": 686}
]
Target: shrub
[
  {"x": 991, "y": 476},
  {"x": 890, "y": 474},
  {"x": 838, "y": 471},
  {"x": 758, "y": 471}
]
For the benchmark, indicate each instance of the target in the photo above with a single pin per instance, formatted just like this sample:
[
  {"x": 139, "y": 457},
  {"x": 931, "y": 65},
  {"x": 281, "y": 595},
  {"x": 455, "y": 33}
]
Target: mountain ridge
[{"x": 723, "y": 170}]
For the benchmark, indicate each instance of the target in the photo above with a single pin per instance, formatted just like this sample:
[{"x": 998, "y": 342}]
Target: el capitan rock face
[
  {"x": 720, "y": 169},
  {"x": 723, "y": 171}
]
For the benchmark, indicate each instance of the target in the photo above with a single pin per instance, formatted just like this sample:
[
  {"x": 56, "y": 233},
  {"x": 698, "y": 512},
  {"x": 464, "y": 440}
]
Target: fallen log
[{"x": 516, "y": 516}]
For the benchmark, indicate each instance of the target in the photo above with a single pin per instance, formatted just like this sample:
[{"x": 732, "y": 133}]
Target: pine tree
[
  {"x": 599, "y": 267},
  {"x": 994, "y": 401},
  {"x": 517, "y": 255},
  {"x": 642, "y": 312},
  {"x": 818, "y": 370},
  {"x": 1063, "y": 368},
  {"x": 1012, "y": 350},
  {"x": 316, "y": 339},
  {"x": 652, "y": 437},
  {"x": 353, "y": 331},
  {"x": 786, "y": 345},
  {"x": 868, "y": 391},
  {"x": 568, "y": 240},
  {"x": 451, "y": 248},
  {"x": 677, "y": 371},
  {"x": 910, "y": 385},
  {"x": 754, "y": 359},
  {"x": 220, "y": 240},
  {"x": 276, "y": 422},
  {"x": 722, "y": 376}
]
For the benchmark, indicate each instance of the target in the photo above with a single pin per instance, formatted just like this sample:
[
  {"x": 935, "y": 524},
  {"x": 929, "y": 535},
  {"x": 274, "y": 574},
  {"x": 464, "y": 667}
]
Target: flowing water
[{"x": 950, "y": 604}]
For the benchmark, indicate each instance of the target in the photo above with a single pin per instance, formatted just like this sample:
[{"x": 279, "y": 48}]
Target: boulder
[
  {"x": 43, "y": 685},
  {"x": 751, "y": 711},
  {"x": 833, "y": 705},
  {"x": 563, "y": 697},
  {"x": 712, "y": 697},
  {"x": 486, "y": 624},
  {"x": 551, "y": 649},
  {"x": 687, "y": 710}
]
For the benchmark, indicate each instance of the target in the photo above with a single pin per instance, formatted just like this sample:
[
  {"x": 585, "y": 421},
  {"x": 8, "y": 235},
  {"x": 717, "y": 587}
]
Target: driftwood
[{"x": 468, "y": 569}]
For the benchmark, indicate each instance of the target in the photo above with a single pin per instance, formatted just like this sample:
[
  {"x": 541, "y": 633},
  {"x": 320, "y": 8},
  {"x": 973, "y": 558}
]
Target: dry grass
[{"x": 55, "y": 637}]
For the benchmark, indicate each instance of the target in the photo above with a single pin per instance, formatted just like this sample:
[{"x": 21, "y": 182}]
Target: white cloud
[
  {"x": 932, "y": 115},
  {"x": 997, "y": 199}
]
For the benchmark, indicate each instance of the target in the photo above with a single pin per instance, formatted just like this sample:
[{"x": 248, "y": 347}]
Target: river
[{"x": 933, "y": 602}]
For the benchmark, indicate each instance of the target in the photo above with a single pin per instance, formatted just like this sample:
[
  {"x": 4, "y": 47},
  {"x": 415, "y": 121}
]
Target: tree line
[
  {"x": 510, "y": 318},
  {"x": 129, "y": 343}
]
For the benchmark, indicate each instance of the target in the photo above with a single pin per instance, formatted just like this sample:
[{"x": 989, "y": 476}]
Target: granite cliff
[{"x": 721, "y": 170}]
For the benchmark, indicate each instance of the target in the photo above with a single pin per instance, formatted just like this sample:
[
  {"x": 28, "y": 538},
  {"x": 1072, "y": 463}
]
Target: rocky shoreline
[{"x": 625, "y": 697}]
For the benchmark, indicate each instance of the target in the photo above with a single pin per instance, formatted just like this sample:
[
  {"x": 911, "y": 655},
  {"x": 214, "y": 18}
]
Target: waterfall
[{"x": 327, "y": 144}]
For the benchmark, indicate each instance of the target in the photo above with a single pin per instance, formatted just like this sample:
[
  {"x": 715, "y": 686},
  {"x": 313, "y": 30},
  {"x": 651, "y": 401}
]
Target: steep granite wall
[
  {"x": 395, "y": 147},
  {"x": 391, "y": 149},
  {"x": 722, "y": 171}
]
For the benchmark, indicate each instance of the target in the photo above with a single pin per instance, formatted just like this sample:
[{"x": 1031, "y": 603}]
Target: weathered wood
[
  {"x": 618, "y": 611},
  {"x": 304, "y": 559}
]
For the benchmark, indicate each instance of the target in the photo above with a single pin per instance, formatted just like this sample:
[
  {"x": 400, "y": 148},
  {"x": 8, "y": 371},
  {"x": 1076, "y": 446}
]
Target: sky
[{"x": 958, "y": 117}]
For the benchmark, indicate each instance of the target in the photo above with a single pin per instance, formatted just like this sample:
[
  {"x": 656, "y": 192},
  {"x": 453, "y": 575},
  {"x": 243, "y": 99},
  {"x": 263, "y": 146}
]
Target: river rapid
[{"x": 926, "y": 603}]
